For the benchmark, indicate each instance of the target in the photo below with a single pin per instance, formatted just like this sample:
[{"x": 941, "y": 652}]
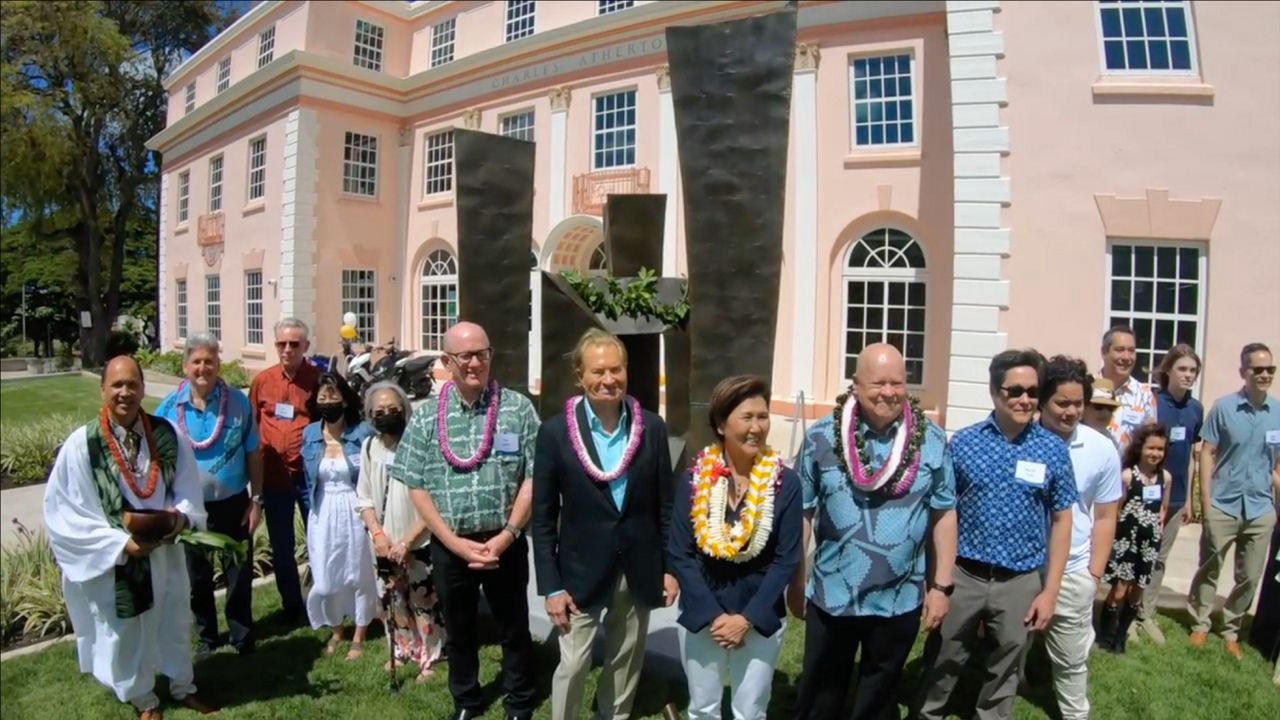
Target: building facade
[{"x": 963, "y": 176}]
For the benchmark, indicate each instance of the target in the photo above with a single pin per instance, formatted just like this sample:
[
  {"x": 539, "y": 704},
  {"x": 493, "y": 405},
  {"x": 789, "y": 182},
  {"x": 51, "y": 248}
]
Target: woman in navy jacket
[
  {"x": 734, "y": 545},
  {"x": 342, "y": 570}
]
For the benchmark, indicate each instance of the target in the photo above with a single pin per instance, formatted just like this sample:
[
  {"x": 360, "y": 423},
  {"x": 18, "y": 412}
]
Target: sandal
[
  {"x": 425, "y": 675},
  {"x": 357, "y": 649},
  {"x": 331, "y": 647}
]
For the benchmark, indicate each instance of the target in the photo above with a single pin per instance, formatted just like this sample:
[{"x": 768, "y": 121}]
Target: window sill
[
  {"x": 253, "y": 208},
  {"x": 182, "y": 229},
  {"x": 180, "y": 343},
  {"x": 906, "y": 157},
  {"x": 252, "y": 352},
  {"x": 363, "y": 199},
  {"x": 1148, "y": 86},
  {"x": 436, "y": 201}
]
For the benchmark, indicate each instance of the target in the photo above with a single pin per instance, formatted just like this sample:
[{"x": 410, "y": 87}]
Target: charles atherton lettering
[{"x": 617, "y": 53}]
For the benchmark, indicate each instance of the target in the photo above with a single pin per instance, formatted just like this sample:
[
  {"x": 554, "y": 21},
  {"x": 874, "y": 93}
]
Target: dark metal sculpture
[{"x": 633, "y": 227}]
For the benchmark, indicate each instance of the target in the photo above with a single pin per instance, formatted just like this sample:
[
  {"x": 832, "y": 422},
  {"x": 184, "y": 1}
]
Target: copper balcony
[
  {"x": 210, "y": 228},
  {"x": 590, "y": 190}
]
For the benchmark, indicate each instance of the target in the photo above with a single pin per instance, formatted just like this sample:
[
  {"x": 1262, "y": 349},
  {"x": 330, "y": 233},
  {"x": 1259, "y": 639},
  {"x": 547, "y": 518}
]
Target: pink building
[{"x": 963, "y": 177}]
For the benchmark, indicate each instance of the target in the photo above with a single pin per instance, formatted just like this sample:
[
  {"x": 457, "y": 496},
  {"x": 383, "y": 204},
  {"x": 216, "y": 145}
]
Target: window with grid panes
[
  {"x": 519, "y": 19},
  {"x": 614, "y": 130},
  {"x": 253, "y": 307},
  {"x": 189, "y": 101},
  {"x": 360, "y": 164},
  {"x": 180, "y": 305},
  {"x": 215, "y": 183},
  {"x": 517, "y": 125},
  {"x": 885, "y": 298},
  {"x": 359, "y": 295},
  {"x": 213, "y": 305},
  {"x": 368, "y": 46},
  {"x": 439, "y": 285},
  {"x": 883, "y": 101},
  {"x": 224, "y": 74},
  {"x": 257, "y": 168},
  {"x": 1146, "y": 36},
  {"x": 442, "y": 36},
  {"x": 184, "y": 196},
  {"x": 438, "y": 170},
  {"x": 604, "y": 7},
  {"x": 266, "y": 46},
  {"x": 1158, "y": 289}
]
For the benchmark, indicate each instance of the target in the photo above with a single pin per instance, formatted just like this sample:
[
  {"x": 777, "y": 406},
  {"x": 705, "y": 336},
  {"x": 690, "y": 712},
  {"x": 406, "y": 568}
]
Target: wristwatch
[
  {"x": 944, "y": 589},
  {"x": 257, "y": 500},
  {"x": 515, "y": 531}
]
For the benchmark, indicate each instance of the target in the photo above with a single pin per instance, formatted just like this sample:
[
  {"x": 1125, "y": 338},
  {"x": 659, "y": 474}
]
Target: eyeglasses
[
  {"x": 291, "y": 344},
  {"x": 1016, "y": 391},
  {"x": 465, "y": 358},
  {"x": 1260, "y": 369}
]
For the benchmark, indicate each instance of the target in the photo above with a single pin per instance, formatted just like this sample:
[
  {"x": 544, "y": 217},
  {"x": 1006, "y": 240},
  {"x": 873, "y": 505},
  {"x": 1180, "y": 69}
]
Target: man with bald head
[
  {"x": 877, "y": 476},
  {"x": 467, "y": 457}
]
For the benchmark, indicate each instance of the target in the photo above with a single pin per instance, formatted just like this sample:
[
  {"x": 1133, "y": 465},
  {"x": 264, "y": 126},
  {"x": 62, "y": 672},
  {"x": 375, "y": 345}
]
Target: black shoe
[
  {"x": 519, "y": 716},
  {"x": 1107, "y": 623},
  {"x": 466, "y": 714},
  {"x": 246, "y": 649},
  {"x": 1127, "y": 615}
]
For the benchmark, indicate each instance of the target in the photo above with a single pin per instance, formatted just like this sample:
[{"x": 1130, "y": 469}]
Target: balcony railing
[
  {"x": 210, "y": 228},
  {"x": 590, "y": 190}
]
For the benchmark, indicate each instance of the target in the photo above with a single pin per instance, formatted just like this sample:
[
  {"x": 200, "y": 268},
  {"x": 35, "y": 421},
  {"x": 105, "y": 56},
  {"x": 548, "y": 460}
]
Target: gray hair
[
  {"x": 200, "y": 340},
  {"x": 292, "y": 322},
  {"x": 378, "y": 387}
]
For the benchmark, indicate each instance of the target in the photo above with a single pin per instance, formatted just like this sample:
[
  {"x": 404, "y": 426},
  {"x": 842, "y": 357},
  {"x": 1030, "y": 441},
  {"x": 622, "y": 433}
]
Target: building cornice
[{"x": 222, "y": 40}]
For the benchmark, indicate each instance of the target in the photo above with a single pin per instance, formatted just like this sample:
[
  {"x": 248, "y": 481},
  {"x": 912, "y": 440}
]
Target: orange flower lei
[
  {"x": 746, "y": 538},
  {"x": 126, "y": 470}
]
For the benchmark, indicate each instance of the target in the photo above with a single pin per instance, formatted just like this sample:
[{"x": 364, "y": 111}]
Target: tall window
[
  {"x": 442, "y": 36},
  {"x": 1146, "y": 36},
  {"x": 266, "y": 46},
  {"x": 884, "y": 282},
  {"x": 224, "y": 74},
  {"x": 360, "y": 164},
  {"x": 189, "y": 104},
  {"x": 368, "y": 46},
  {"x": 215, "y": 183},
  {"x": 184, "y": 196},
  {"x": 883, "y": 103},
  {"x": 359, "y": 295},
  {"x": 614, "y": 130},
  {"x": 519, "y": 19},
  {"x": 180, "y": 293},
  {"x": 213, "y": 305},
  {"x": 517, "y": 125},
  {"x": 439, "y": 298},
  {"x": 1158, "y": 290},
  {"x": 604, "y": 7},
  {"x": 438, "y": 170},
  {"x": 253, "y": 307},
  {"x": 257, "y": 167}
]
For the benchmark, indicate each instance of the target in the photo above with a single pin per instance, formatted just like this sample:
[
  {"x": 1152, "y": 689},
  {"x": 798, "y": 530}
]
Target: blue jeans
[{"x": 278, "y": 506}]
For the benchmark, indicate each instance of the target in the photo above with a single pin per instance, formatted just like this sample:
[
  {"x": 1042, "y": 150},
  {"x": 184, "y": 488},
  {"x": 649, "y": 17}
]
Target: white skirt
[{"x": 344, "y": 584}]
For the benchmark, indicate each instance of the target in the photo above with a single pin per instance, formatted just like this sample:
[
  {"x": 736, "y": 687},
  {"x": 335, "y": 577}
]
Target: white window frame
[
  {"x": 266, "y": 46},
  {"x": 216, "y": 171},
  {"x": 438, "y": 277},
  {"x": 634, "y": 127},
  {"x": 1199, "y": 317},
  {"x": 256, "y": 182},
  {"x": 224, "y": 75},
  {"x": 355, "y": 280},
  {"x": 443, "y": 37},
  {"x": 353, "y": 180},
  {"x": 213, "y": 305},
  {"x": 189, "y": 100},
  {"x": 253, "y": 319},
  {"x": 181, "y": 324},
  {"x": 901, "y": 275},
  {"x": 370, "y": 39},
  {"x": 606, "y": 7},
  {"x": 519, "y": 124},
  {"x": 437, "y": 163},
  {"x": 513, "y": 25},
  {"x": 914, "y": 78},
  {"x": 1193, "y": 71},
  {"x": 184, "y": 197}
]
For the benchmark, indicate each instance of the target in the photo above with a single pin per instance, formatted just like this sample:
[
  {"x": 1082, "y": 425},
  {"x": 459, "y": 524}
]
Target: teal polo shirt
[
  {"x": 1247, "y": 439},
  {"x": 223, "y": 470}
]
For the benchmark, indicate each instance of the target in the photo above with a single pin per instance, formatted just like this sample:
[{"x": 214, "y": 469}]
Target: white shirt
[{"x": 1097, "y": 468}]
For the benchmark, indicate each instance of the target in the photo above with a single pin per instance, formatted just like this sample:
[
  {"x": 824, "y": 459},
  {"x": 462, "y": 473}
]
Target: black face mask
[
  {"x": 390, "y": 424},
  {"x": 330, "y": 412}
]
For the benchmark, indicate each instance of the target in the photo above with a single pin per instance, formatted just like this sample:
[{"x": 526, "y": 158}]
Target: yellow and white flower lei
[{"x": 747, "y": 537}]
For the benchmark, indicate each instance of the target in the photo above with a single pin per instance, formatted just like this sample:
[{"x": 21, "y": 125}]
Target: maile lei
[
  {"x": 217, "y": 426},
  {"x": 126, "y": 469},
  {"x": 442, "y": 429},
  {"x": 580, "y": 450},
  {"x": 898, "y": 472},
  {"x": 746, "y": 538}
]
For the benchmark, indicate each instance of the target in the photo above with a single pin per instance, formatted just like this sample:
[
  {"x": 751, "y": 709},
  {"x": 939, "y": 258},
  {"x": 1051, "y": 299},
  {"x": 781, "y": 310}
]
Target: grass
[
  {"x": 289, "y": 677},
  {"x": 33, "y": 398}
]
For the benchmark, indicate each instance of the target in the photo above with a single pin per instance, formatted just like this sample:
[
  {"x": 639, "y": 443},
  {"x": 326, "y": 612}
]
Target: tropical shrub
[
  {"x": 31, "y": 604},
  {"x": 29, "y": 448}
]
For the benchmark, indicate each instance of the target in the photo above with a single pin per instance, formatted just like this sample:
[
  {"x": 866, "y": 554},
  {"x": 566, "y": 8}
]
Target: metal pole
[{"x": 24, "y": 313}]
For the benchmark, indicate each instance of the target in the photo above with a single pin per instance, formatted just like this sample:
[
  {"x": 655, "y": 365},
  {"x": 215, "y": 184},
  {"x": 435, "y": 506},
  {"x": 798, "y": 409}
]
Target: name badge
[
  {"x": 354, "y": 460},
  {"x": 1178, "y": 434},
  {"x": 284, "y": 411},
  {"x": 1152, "y": 493},
  {"x": 1029, "y": 472},
  {"x": 391, "y": 459},
  {"x": 507, "y": 443},
  {"x": 1131, "y": 417},
  {"x": 1273, "y": 437}
]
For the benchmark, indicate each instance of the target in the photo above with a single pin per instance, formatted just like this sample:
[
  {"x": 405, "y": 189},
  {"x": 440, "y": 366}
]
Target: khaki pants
[
  {"x": 1151, "y": 598},
  {"x": 1251, "y": 538},
  {"x": 1068, "y": 640},
  {"x": 625, "y": 626}
]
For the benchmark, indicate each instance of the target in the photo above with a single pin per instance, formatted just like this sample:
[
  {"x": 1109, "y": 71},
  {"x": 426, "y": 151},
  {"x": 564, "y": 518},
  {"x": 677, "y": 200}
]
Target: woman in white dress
[{"x": 342, "y": 570}]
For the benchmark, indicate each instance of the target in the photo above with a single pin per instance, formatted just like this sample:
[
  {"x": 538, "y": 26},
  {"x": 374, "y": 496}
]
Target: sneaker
[{"x": 1152, "y": 629}]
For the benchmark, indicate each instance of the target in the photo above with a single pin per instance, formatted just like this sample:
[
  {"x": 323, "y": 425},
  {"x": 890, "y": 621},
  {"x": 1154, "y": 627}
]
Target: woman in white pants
[{"x": 734, "y": 544}]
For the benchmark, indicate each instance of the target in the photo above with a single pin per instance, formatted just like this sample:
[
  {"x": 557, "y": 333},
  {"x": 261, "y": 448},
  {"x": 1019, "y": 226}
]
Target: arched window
[
  {"x": 598, "y": 265},
  {"x": 884, "y": 281},
  {"x": 439, "y": 298}
]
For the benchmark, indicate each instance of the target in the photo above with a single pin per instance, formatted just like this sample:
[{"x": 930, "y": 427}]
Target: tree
[{"x": 80, "y": 93}]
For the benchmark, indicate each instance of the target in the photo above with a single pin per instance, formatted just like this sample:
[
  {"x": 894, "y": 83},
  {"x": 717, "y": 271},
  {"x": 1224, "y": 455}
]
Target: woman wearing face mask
[
  {"x": 415, "y": 626},
  {"x": 341, "y": 558}
]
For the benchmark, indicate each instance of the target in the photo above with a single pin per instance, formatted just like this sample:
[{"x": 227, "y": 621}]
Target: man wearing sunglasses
[
  {"x": 1015, "y": 490},
  {"x": 1239, "y": 484}
]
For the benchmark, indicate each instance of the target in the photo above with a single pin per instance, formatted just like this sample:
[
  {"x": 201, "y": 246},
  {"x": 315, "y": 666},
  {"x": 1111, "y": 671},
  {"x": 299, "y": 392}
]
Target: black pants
[
  {"x": 458, "y": 588},
  {"x": 226, "y": 517},
  {"x": 830, "y": 644}
]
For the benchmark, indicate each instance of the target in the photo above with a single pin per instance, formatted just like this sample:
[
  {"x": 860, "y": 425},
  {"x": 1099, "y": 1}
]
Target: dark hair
[
  {"x": 1002, "y": 363},
  {"x": 1250, "y": 349},
  {"x": 1171, "y": 358},
  {"x": 1116, "y": 330},
  {"x": 1133, "y": 453},
  {"x": 1064, "y": 370},
  {"x": 732, "y": 392},
  {"x": 352, "y": 407}
]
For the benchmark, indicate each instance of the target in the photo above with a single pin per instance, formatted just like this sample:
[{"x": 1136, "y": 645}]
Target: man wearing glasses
[
  {"x": 279, "y": 397},
  {"x": 467, "y": 457},
  {"x": 1015, "y": 489},
  {"x": 1240, "y": 476}
]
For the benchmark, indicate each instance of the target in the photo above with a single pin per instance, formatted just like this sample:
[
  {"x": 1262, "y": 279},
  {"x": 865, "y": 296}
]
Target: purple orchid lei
[
  {"x": 896, "y": 476},
  {"x": 217, "y": 426},
  {"x": 580, "y": 450},
  {"x": 486, "y": 442}
]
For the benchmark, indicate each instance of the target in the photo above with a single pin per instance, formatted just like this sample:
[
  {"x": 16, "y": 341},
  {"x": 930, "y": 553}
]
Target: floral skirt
[{"x": 416, "y": 625}]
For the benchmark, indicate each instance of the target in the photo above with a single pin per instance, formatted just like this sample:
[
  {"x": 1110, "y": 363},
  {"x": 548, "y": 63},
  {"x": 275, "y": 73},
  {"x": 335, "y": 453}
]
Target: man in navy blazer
[{"x": 602, "y": 493}]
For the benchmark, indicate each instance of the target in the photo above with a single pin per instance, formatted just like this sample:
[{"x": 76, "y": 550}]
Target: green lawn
[
  {"x": 289, "y": 678},
  {"x": 34, "y": 398}
]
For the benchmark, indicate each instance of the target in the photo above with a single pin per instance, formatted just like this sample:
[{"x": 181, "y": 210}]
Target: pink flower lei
[
  {"x": 217, "y": 426},
  {"x": 896, "y": 476},
  {"x": 580, "y": 450},
  {"x": 486, "y": 442}
]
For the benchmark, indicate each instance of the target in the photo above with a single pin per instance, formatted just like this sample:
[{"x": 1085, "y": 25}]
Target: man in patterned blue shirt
[
  {"x": 1016, "y": 488},
  {"x": 874, "y": 523}
]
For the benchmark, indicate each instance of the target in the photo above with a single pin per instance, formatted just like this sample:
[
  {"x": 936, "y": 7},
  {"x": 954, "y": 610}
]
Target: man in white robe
[{"x": 125, "y": 649}]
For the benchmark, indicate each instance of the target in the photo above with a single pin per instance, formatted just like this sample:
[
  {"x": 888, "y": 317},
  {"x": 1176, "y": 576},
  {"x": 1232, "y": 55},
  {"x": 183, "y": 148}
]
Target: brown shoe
[
  {"x": 200, "y": 706},
  {"x": 1233, "y": 649},
  {"x": 1197, "y": 639},
  {"x": 152, "y": 714}
]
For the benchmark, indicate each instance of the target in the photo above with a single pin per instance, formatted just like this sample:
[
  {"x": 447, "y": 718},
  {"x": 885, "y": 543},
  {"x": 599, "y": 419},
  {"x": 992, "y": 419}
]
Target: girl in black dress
[{"x": 1137, "y": 543}]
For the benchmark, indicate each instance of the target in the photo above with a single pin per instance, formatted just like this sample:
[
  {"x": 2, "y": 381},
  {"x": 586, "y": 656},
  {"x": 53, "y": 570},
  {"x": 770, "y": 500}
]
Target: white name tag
[
  {"x": 391, "y": 459},
  {"x": 1273, "y": 437},
  {"x": 1178, "y": 434},
  {"x": 354, "y": 460},
  {"x": 507, "y": 443},
  {"x": 1152, "y": 493},
  {"x": 1029, "y": 472},
  {"x": 1131, "y": 417},
  {"x": 284, "y": 411}
]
